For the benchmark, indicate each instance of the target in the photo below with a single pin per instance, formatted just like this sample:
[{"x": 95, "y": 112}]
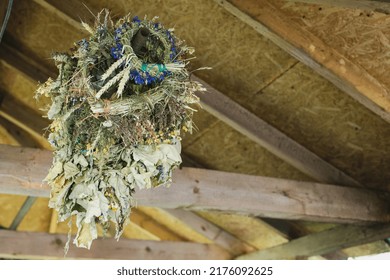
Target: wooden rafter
[
  {"x": 312, "y": 51},
  {"x": 381, "y": 6},
  {"x": 323, "y": 242},
  {"x": 22, "y": 171},
  {"x": 44, "y": 245}
]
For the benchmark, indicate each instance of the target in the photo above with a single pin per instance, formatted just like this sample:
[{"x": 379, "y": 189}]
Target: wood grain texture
[
  {"x": 323, "y": 242},
  {"x": 22, "y": 169},
  {"x": 51, "y": 246},
  {"x": 309, "y": 49}
]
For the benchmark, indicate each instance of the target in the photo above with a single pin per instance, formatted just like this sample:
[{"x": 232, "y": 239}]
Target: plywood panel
[
  {"x": 317, "y": 115},
  {"x": 38, "y": 33},
  {"x": 223, "y": 148},
  {"x": 360, "y": 35},
  {"x": 20, "y": 87}
]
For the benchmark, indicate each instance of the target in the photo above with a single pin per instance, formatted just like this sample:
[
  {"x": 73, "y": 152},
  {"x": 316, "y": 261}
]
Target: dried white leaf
[{"x": 70, "y": 170}]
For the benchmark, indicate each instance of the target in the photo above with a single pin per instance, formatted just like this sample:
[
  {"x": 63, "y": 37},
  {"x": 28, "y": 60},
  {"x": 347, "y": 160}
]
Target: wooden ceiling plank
[
  {"x": 50, "y": 246},
  {"x": 22, "y": 171},
  {"x": 381, "y": 6},
  {"x": 310, "y": 50},
  {"x": 322, "y": 243}
]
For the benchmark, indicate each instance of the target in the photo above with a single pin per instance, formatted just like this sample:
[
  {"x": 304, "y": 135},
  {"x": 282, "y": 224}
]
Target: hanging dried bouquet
[{"x": 118, "y": 105}]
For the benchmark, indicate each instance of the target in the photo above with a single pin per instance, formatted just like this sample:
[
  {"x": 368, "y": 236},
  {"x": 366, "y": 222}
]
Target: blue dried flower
[
  {"x": 84, "y": 44},
  {"x": 116, "y": 53},
  {"x": 139, "y": 80},
  {"x": 136, "y": 19}
]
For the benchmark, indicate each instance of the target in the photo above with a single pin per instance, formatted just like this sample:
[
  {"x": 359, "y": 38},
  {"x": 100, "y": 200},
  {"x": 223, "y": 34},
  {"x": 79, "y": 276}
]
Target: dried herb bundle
[{"x": 118, "y": 105}]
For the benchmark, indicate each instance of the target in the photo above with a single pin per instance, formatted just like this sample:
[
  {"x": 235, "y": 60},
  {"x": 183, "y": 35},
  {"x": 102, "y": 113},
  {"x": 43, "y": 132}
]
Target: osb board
[
  {"x": 223, "y": 148},
  {"x": 18, "y": 135},
  {"x": 334, "y": 126},
  {"x": 362, "y": 36},
  {"x": 242, "y": 61},
  {"x": 19, "y": 86},
  {"x": 253, "y": 231},
  {"x": 37, "y": 219},
  {"x": 202, "y": 122},
  {"x": 38, "y": 33},
  {"x": 9, "y": 207}
]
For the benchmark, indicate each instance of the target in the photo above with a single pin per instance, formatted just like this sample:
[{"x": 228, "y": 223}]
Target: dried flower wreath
[{"x": 118, "y": 105}]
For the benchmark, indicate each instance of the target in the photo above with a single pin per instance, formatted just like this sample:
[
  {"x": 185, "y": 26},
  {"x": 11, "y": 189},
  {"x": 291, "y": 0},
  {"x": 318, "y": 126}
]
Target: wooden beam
[
  {"x": 381, "y": 6},
  {"x": 51, "y": 246},
  {"x": 310, "y": 50},
  {"x": 322, "y": 243},
  {"x": 22, "y": 169},
  {"x": 270, "y": 138}
]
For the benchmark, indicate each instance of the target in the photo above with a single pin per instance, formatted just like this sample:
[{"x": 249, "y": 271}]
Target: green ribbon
[{"x": 146, "y": 67}]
